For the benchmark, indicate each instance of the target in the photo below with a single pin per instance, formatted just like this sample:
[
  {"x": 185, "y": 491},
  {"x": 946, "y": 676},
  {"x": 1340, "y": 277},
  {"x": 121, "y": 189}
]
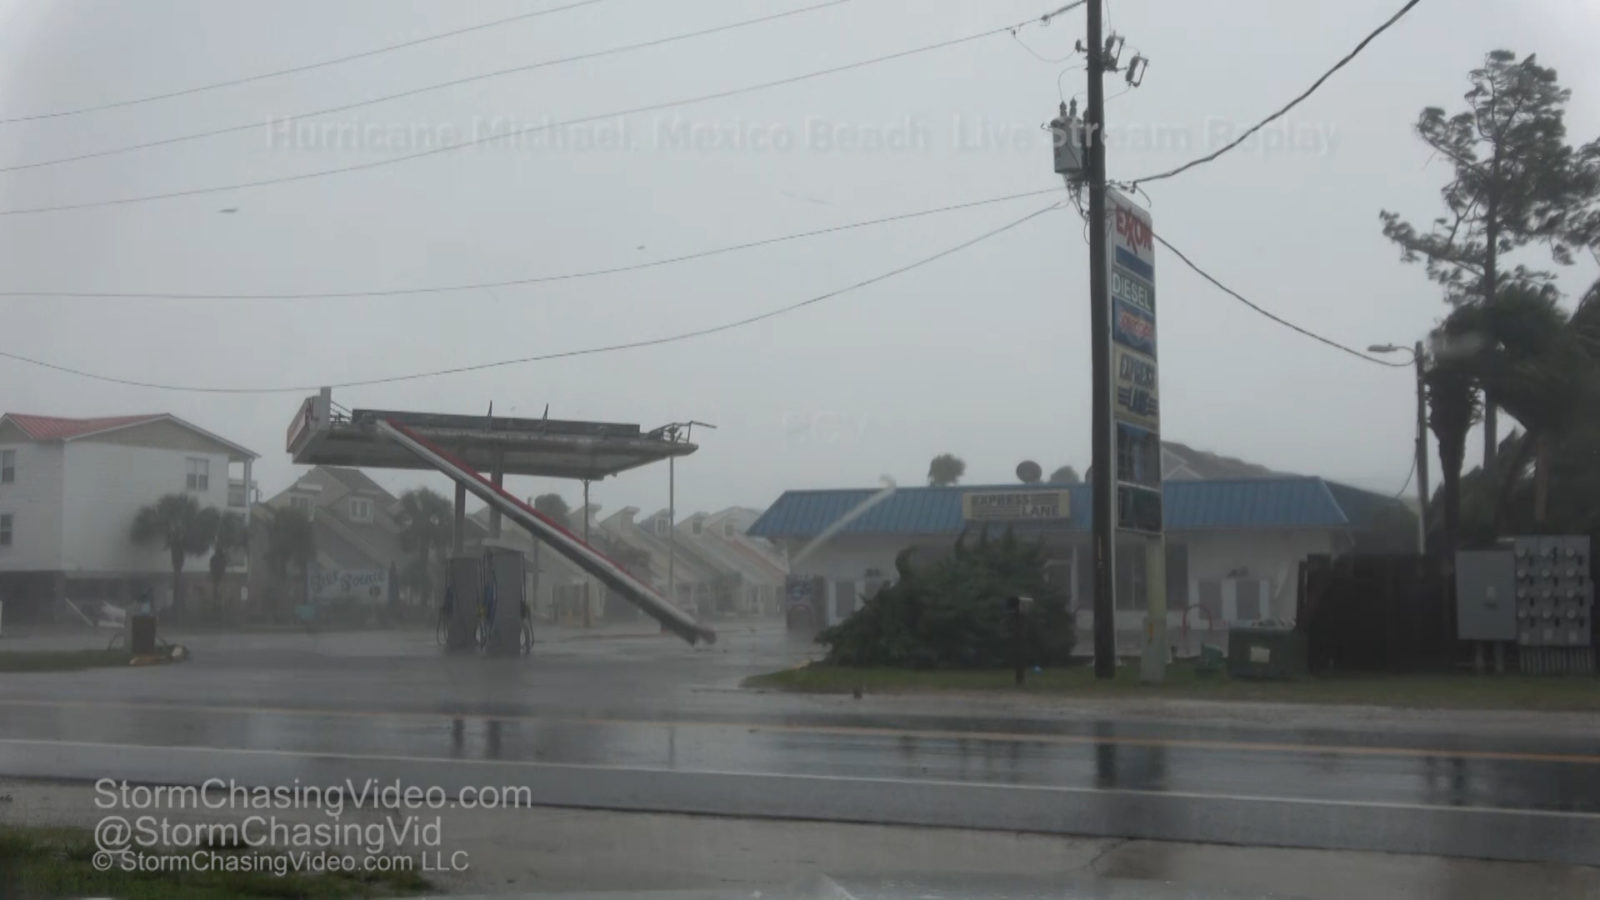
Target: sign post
[{"x": 1136, "y": 409}]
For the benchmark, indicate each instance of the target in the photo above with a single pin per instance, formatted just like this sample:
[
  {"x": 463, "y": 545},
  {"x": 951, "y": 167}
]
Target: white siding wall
[
  {"x": 848, "y": 558},
  {"x": 851, "y": 557},
  {"x": 107, "y": 484},
  {"x": 34, "y": 502},
  {"x": 1270, "y": 556}
]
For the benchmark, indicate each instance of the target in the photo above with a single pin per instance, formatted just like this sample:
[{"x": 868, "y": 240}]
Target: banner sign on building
[
  {"x": 1135, "y": 379},
  {"x": 1015, "y": 506},
  {"x": 348, "y": 585}
]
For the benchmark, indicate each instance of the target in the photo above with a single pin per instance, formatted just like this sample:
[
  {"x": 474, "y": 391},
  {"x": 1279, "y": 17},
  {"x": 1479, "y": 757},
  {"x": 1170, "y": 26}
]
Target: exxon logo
[{"x": 1134, "y": 231}]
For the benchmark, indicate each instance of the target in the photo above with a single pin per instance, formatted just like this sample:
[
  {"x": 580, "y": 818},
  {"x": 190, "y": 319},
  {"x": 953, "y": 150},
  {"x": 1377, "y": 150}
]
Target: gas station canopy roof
[{"x": 545, "y": 447}]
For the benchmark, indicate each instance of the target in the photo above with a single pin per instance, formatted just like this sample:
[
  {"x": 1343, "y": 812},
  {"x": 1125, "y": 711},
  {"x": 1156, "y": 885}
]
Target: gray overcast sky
[{"x": 983, "y": 354}]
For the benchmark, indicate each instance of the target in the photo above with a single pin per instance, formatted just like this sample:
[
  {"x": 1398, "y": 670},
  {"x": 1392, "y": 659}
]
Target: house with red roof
[{"x": 69, "y": 491}]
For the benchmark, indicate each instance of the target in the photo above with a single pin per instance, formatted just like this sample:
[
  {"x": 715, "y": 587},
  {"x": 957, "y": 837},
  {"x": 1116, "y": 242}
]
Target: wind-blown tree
[
  {"x": 1574, "y": 508},
  {"x": 182, "y": 528},
  {"x": 553, "y": 507},
  {"x": 427, "y": 524},
  {"x": 946, "y": 469},
  {"x": 230, "y": 537},
  {"x": 1530, "y": 361},
  {"x": 291, "y": 546},
  {"x": 1065, "y": 475},
  {"x": 1516, "y": 181},
  {"x": 1524, "y": 355},
  {"x": 1543, "y": 367}
]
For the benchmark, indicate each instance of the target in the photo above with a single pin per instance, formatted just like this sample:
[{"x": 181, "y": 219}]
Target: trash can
[
  {"x": 141, "y": 634},
  {"x": 1256, "y": 652}
]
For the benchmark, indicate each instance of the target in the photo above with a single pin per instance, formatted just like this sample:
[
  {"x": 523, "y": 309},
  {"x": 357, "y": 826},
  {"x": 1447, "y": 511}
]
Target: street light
[{"x": 1420, "y": 359}]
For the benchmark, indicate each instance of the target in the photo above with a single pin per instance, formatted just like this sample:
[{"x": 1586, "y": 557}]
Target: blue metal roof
[{"x": 1233, "y": 504}]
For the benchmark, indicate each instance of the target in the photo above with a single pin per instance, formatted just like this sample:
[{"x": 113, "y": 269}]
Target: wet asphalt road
[{"x": 641, "y": 722}]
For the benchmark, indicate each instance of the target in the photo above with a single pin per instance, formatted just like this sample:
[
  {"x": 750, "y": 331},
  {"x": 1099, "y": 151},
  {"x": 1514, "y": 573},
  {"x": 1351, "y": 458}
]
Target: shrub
[{"x": 953, "y": 613}]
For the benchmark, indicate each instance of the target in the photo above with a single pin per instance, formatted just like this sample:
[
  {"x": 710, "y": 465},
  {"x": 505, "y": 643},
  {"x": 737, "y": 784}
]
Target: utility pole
[
  {"x": 1420, "y": 360},
  {"x": 1422, "y": 451},
  {"x": 1103, "y": 457},
  {"x": 676, "y": 431}
]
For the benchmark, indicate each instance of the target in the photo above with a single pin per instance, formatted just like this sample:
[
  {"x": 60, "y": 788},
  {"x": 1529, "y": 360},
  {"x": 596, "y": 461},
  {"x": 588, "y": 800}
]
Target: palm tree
[
  {"x": 1529, "y": 359},
  {"x": 946, "y": 469},
  {"x": 1064, "y": 475},
  {"x": 182, "y": 528},
  {"x": 230, "y": 536},
  {"x": 553, "y": 507},
  {"x": 291, "y": 542},
  {"x": 427, "y": 524}
]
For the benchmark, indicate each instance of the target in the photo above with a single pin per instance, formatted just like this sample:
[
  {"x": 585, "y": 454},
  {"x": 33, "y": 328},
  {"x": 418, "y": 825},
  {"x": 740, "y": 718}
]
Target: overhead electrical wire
[
  {"x": 425, "y": 89},
  {"x": 545, "y": 357},
  {"x": 518, "y": 282},
  {"x": 1037, "y": 55},
  {"x": 1409, "y": 475},
  {"x": 134, "y": 101},
  {"x": 531, "y": 129},
  {"x": 1285, "y": 109},
  {"x": 1242, "y": 299},
  {"x": 1271, "y": 315}
]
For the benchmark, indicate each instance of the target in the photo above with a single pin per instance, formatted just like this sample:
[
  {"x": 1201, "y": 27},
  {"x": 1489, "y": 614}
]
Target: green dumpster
[{"x": 1255, "y": 652}]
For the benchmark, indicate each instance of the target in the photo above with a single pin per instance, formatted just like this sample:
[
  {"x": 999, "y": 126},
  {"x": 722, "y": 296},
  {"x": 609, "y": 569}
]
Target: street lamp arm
[{"x": 1391, "y": 348}]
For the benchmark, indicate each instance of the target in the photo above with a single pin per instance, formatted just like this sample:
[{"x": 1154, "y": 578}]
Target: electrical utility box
[
  {"x": 1555, "y": 591},
  {"x": 1486, "y": 595},
  {"x": 1067, "y": 136}
]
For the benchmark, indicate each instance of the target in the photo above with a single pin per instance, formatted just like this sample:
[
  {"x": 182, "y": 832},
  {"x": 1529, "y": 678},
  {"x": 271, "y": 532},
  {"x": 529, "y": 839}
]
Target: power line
[
  {"x": 517, "y": 282},
  {"x": 1290, "y": 105},
  {"x": 1241, "y": 298},
  {"x": 1409, "y": 475},
  {"x": 517, "y": 132},
  {"x": 499, "y": 73},
  {"x": 295, "y": 69},
  {"x": 565, "y": 354},
  {"x": 1037, "y": 55},
  {"x": 1273, "y": 316}
]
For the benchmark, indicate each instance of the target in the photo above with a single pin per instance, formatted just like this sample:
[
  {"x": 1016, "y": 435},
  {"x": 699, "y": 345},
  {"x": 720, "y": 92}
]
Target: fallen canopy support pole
[{"x": 559, "y": 538}]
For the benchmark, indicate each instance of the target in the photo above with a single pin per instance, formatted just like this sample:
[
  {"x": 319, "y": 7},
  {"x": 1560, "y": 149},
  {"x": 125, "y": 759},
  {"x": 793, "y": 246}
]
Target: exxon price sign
[{"x": 1131, "y": 300}]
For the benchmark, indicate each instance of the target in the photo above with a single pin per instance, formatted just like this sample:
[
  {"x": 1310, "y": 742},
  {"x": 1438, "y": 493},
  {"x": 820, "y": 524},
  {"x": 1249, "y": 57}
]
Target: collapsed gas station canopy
[{"x": 323, "y": 434}]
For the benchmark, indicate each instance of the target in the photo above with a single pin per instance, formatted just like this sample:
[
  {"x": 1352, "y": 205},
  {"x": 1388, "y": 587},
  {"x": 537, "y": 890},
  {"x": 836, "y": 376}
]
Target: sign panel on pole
[
  {"x": 1135, "y": 378},
  {"x": 1135, "y": 385},
  {"x": 1136, "y": 408}
]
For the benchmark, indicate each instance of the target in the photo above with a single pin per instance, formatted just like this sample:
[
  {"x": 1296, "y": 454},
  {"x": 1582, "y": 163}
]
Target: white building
[
  {"x": 70, "y": 489},
  {"x": 1233, "y": 546},
  {"x": 753, "y": 570}
]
